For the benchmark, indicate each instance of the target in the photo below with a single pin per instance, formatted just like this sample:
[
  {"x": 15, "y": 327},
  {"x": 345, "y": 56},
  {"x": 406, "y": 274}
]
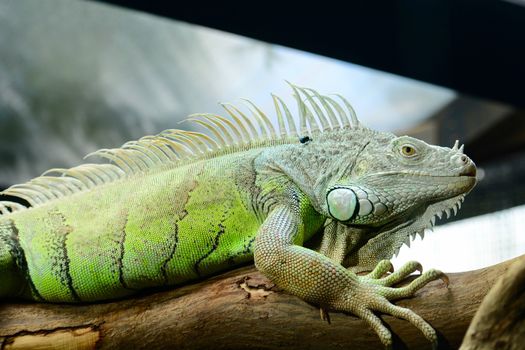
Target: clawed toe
[
  {"x": 385, "y": 336},
  {"x": 412, "y": 317},
  {"x": 409, "y": 290},
  {"x": 383, "y": 267},
  {"x": 325, "y": 316},
  {"x": 376, "y": 276}
]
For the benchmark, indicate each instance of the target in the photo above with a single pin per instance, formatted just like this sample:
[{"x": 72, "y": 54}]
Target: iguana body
[{"x": 181, "y": 206}]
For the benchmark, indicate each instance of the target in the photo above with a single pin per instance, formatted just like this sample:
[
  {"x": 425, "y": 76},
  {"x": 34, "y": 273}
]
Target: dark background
[{"x": 475, "y": 47}]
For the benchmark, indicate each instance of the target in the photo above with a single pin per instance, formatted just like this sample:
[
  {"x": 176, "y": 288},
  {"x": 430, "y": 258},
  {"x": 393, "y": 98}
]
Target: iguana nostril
[
  {"x": 467, "y": 167},
  {"x": 460, "y": 160}
]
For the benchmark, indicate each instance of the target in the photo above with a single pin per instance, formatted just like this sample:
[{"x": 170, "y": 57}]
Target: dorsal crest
[{"x": 236, "y": 132}]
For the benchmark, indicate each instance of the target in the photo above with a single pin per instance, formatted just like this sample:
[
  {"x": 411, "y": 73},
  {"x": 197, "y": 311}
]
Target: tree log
[{"x": 238, "y": 310}]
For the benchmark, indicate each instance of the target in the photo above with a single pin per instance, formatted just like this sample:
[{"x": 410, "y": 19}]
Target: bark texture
[
  {"x": 499, "y": 322},
  {"x": 242, "y": 309}
]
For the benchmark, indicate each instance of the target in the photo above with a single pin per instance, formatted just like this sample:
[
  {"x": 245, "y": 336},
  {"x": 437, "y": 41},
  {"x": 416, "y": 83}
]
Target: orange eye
[{"x": 408, "y": 151}]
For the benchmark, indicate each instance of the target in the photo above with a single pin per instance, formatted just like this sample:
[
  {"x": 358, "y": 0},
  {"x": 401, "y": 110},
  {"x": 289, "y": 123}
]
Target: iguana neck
[{"x": 313, "y": 165}]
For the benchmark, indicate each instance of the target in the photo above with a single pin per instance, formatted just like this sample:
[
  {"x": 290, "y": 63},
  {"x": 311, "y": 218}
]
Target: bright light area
[{"x": 469, "y": 244}]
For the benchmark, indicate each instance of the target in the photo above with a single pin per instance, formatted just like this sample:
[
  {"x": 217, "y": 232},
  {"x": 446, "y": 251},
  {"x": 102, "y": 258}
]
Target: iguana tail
[{"x": 12, "y": 263}]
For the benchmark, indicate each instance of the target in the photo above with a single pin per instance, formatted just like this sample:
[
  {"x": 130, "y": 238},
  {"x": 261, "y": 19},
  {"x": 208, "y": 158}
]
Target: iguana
[{"x": 182, "y": 205}]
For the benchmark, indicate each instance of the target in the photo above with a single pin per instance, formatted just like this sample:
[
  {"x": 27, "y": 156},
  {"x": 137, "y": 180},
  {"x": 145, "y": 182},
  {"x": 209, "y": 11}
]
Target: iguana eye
[{"x": 408, "y": 151}]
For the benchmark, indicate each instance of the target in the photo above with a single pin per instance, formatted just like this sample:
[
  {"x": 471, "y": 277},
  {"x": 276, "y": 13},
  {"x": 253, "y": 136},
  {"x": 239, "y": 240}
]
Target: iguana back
[{"x": 149, "y": 230}]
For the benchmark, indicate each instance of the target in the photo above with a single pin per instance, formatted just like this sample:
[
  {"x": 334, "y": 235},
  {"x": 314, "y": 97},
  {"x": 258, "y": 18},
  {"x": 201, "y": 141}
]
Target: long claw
[
  {"x": 325, "y": 316},
  {"x": 445, "y": 280}
]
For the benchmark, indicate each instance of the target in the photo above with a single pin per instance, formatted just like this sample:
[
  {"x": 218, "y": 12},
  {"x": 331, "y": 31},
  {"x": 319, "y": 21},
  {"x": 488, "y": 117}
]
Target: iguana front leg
[{"x": 317, "y": 279}]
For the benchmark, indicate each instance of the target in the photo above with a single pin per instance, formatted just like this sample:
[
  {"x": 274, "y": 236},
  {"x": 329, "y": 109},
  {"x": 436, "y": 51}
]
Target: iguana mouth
[{"x": 467, "y": 173}]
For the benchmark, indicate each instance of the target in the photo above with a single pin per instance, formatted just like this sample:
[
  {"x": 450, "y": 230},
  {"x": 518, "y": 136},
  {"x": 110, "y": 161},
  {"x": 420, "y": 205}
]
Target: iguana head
[
  {"x": 394, "y": 178},
  {"x": 361, "y": 177}
]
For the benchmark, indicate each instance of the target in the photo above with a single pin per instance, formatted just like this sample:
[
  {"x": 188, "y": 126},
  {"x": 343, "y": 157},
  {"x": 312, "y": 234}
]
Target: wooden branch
[
  {"x": 237, "y": 310},
  {"x": 499, "y": 322}
]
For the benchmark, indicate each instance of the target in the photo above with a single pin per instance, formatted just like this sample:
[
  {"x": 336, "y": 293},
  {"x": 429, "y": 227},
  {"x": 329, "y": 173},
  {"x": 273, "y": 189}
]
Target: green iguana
[{"x": 183, "y": 205}]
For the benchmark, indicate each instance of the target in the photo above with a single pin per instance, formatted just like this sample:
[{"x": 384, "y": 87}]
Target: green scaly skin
[{"x": 147, "y": 221}]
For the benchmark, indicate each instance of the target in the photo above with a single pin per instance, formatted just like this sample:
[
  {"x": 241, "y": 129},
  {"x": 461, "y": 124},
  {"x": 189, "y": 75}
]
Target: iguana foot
[{"x": 374, "y": 293}]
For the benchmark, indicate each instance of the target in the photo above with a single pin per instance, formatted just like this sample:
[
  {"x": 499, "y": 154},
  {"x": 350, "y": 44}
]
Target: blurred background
[{"x": 76, "y": 76}]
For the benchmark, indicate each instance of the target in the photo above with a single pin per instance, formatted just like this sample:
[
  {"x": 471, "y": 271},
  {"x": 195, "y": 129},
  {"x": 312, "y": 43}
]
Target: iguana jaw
[
  {"x": 385, "y": 242},
  {"x": 427, "y": 220}
]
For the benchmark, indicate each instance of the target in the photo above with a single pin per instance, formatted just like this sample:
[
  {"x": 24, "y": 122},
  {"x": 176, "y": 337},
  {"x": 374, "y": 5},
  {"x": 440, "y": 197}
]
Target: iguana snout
[{"x": 466, "y": 165}]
